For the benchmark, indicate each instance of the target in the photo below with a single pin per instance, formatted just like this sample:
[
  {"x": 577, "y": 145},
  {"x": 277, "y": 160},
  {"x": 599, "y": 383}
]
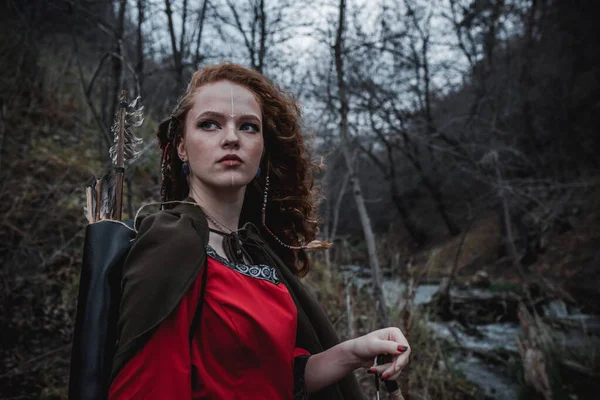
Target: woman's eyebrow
[
  {"x": 211, "y": 113},
  {"x": 220, "y": 115},
  {"x": 250, "y": 115}
]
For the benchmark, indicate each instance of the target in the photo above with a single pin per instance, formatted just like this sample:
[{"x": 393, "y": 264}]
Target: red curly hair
[{"x": 291, "y": 207}]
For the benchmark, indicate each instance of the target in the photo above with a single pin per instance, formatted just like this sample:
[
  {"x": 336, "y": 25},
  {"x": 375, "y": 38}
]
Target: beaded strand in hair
[
  {"x": 169, "y": 186},
  {"x": 315, "y": 244},
  {"x": 165, "y": 167}
]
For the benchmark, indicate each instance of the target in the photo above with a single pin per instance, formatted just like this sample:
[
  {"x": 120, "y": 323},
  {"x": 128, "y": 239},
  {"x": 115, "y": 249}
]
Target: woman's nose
[{"x": 231, "y": 138}]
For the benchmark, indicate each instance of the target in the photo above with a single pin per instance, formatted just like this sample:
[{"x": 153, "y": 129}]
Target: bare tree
[
  {"x": 178, "y": 50},
  {"x": 249, "y": 20},
  {"x": 398, "y": 103},
  {"x": 476, "y": 25},
  {"x": 419, "y": 45},
  {"x": 200, "y": 26},
  {"x": 262, "y": 28},
  {"x": 139, "y": 66},
  {"x": 181, "y": 48},
  {"x": 332, "y": 211},
  {"x": 117, "y": 59},
  {"x": 338, "y": 47},
  {"x": 388, "y": 167}
]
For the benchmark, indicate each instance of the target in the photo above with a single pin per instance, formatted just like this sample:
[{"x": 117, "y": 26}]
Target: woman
[{"x": 211, "y": 305}]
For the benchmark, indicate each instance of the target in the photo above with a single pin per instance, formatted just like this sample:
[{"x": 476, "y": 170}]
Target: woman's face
[{"x": 223, "y": 140}]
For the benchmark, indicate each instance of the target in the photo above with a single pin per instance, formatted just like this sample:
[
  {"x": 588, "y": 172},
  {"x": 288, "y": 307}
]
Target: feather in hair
[{"x": 318, "y": 245}]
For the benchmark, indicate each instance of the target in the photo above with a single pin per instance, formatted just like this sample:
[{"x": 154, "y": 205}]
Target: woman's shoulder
[
  {"x": 167, "y": 241},
  {"x": 170, "y": 223}
]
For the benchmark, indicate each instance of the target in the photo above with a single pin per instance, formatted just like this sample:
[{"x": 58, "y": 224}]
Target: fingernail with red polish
[
  {"x": 385, "y": 375},
  {"x": 402, "y": 349},
  {"x": 372, "y": 371}
]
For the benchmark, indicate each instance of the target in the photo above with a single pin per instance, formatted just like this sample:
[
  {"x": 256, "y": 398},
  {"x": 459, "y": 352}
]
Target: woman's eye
[
  {"x": 208, "y": 125},
  {"x": 250, "y": 127}
]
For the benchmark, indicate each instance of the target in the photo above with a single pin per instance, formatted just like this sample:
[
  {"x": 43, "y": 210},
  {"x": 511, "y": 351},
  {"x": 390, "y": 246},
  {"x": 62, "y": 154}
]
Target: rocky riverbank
[{"x": 482, "y": 335}]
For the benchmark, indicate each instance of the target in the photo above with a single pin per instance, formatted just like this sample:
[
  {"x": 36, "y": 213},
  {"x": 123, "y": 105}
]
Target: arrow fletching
[
  {"x": 104, "y": 196},
  {"x": 133, "y": 118}
]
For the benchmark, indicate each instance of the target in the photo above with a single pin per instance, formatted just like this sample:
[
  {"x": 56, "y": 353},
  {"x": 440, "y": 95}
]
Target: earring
[
  {"x": 186, "y": 168},
  {"x": 257, "y": 173}
]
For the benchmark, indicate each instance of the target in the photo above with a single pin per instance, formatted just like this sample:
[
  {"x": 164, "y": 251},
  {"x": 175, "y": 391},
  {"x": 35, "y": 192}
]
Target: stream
[
  {"x": 480, "y": 350},
  {"x": 490, "y": 377}
]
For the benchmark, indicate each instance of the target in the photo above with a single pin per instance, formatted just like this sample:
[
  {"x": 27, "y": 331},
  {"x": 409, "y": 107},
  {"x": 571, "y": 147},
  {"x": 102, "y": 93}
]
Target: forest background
[{"x": 460, "y": 145}]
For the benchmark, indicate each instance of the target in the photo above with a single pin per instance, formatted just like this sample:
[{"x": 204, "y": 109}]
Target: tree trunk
[
  {"x": 263, "y": 36},
  {"x": 201, "y": 17},
  {"x": 182, "y": 45},
  {"x": 453, "y": 229},
  {"x": 349, "y": 311},
  {"x": 139, "y": 66},
  {"x": 177, "y": 53},
  {"x": 331, "y": 233},
  {"x": 117, "y": 63},
  {"x": 507, "y": 220},
  {"x": 435, "y": 192},
  {"x": 416, "y": 234},
  {"x": 383, "y": 315}
]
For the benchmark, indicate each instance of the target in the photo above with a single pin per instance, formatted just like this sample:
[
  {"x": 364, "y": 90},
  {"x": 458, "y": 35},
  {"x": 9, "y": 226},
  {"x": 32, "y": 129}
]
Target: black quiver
[{"x": 107, "y": 244}]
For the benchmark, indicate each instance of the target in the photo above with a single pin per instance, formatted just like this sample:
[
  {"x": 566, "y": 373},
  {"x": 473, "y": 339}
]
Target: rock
[
  {"x": 555, "y": 309},
  {"x": 481, "y": 279}
]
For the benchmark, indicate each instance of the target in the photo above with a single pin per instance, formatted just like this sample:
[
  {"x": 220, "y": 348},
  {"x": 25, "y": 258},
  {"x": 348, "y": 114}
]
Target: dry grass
[
  {"x": 480, "y": 246},
  {"x": 431, "y": 375}
]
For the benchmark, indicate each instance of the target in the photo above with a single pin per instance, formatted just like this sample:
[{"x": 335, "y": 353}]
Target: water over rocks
[{"x": 483, "y": 329}]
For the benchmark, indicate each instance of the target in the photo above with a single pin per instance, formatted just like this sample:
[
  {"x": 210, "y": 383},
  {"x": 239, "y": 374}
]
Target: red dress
[{"x": 244, "y": 346}]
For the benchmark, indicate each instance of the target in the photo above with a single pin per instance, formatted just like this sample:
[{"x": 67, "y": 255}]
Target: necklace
[
  {"x": 217, "y": 223},
  {"x": 209, "y": 217},
  {"x": 231, "y": 241}
]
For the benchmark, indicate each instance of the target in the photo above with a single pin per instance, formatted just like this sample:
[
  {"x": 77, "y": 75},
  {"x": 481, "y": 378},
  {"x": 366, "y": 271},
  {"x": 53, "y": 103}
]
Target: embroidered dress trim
[{"x": 260, "y": 271}]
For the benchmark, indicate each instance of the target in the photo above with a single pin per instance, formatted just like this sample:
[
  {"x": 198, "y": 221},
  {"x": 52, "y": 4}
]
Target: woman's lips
[{"x": 230, "y": 162}]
